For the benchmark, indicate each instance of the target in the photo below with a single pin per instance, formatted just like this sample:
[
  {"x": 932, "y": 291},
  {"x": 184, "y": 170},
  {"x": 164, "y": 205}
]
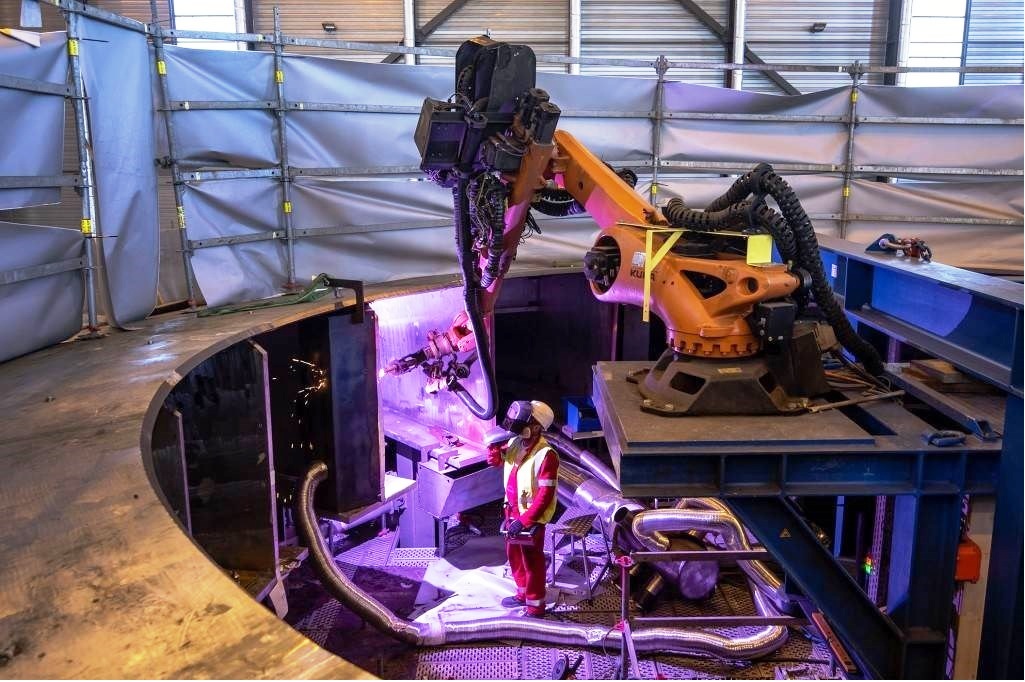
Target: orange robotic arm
[{"x": 697, "y": 323}]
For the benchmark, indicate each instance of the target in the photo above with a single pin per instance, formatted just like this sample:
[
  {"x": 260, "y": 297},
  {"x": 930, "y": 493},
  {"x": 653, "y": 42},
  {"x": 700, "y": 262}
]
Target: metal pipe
[
  {"x": 172, "y": 147},
  {"x": 649, "y": 526},
  {"x": 760, "y": 574},
  {"x": 574, "y": 35},
  {"x": 334, "y": 581},
  {"x": 286, "y": 180},
  {"x": 409, "y": 29},
  {"x": 578, "y": 488},
  {"x": 586, "y": 459},
  {"x": 737, "y": 54},
  {"x": 648, "y": 639},
  {"x": 89, "y": 224}
]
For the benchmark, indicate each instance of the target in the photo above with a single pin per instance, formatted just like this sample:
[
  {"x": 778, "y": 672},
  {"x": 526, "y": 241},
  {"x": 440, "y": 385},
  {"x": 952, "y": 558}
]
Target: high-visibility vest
[{"x": 526, "y": 475}]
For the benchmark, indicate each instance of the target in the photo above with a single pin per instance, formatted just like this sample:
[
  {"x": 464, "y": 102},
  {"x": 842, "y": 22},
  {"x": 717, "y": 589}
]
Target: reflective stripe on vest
[{"x": 526, "y": 476}]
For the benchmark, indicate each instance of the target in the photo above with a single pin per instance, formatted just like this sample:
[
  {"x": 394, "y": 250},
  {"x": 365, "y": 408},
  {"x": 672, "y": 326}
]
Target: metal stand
[{"x": 627, "y": 652}]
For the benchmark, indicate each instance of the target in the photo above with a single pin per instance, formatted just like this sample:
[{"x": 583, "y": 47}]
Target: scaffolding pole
[
  {"x": 661, "y": 67},
  {"x": 88, "y": 224},
  {"x": 286, "y": 180},
  {"x": 172, "y": 152},
  {"x": 852, "y": 122}
]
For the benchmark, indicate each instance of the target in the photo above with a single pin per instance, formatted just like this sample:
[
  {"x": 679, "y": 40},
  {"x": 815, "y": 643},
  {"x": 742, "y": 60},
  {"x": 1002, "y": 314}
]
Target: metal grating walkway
[{"x": 331, "y": 625}]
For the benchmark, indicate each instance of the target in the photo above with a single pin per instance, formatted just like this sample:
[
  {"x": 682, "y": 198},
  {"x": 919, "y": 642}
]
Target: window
[
  {"x": 935, "y": 37},
  {"x": 221, "y": 16}
]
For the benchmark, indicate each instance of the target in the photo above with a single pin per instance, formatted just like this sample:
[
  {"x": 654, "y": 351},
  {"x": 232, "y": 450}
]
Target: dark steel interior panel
[
  {"x": 358, "y": 471},
  {"x": 169, "y": 463},
  {"x": 549, "y": 331},
  {"x": 228, "y": 459},
  {"x": 324, "y": 407}
]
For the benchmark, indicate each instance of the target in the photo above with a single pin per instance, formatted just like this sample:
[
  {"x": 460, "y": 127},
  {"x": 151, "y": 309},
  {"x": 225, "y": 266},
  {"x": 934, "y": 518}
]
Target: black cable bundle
[
  {"x": 464, "y": 247},
  {"x": 794, "y": 236},
  {"x": 487, "y": 197}
]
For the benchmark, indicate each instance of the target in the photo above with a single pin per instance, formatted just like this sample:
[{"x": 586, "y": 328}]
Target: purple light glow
[{"x": 402, "y": 326}]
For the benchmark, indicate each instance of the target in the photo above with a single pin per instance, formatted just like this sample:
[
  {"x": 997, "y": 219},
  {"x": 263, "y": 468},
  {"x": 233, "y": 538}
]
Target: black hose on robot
[
  {"x": 761, "y": 181},
  {"x": 486, "y": 202},
  {"x": 464, "y": 248}
]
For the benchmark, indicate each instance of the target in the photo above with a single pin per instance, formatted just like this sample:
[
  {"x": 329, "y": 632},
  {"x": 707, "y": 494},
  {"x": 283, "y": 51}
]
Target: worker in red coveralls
[{"x": 531, "y": 475}]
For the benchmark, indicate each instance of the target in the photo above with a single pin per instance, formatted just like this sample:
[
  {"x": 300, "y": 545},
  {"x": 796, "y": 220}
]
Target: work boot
[
  {"x": 534, "y": 612},
  {"x": 513, "y": 602}
]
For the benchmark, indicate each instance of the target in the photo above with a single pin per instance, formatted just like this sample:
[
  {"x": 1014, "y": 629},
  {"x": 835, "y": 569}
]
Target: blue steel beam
[
  {"x": 971, "y": 320},
  {"x": 1000, "y": 652},
  {"x": 923, "y": 557},
  {"x": 872, "y": 639}
]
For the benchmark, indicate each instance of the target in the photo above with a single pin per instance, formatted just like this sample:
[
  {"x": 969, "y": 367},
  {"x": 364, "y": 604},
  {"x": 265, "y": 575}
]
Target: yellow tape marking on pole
[
  {"x": 162, "y": 67},
  {"x": 279, "y": 76},
  {"x": 854, "y": 96},
  {"x": 846, "y": 191},
  {"x": 652, "y": 260},
  {"x": 287, "y": 206},
  {"x": 73, "y": 47},
  {"x": 181, "y": 217},
  {"x": 87, "y": 226}
]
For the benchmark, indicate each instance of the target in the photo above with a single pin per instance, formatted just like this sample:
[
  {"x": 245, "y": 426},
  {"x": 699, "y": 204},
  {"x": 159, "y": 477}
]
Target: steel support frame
[
  {"x": 285, "y": 177},
  {"x": 910, "y": 645},
  {"x": 1000, "y": 651},
  {"x": 852, "y": 122}
]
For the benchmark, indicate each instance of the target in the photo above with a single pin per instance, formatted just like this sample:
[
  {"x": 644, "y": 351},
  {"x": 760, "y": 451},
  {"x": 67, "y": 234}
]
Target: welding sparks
[{"x": 316, "y": 382}]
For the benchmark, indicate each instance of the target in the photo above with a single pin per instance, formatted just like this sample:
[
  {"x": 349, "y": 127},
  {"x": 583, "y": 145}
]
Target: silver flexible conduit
[
  {"x": 735, "y": 537},
  {"x": 607, "y": 497},
  {"x": 646, "y": 639}
]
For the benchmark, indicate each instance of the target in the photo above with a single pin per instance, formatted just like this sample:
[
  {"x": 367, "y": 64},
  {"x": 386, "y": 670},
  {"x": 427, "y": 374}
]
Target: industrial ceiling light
[
  {"x": 818, "y": 27},
  {"x": 330, "y": 27}
]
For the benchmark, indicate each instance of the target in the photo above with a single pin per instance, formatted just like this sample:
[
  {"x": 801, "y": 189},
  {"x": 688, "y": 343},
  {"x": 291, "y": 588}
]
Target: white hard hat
[{"x": 542, "y": 413}]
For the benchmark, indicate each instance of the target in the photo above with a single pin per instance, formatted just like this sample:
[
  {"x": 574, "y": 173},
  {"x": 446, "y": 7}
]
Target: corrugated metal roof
[
  {"x": 995, "y": 31},
  {"x": 542, "y": 24},
  {"x": 647, "y": 29},
  {"x": 372, "y": 21},
  {"x": 780, "y": 33}
]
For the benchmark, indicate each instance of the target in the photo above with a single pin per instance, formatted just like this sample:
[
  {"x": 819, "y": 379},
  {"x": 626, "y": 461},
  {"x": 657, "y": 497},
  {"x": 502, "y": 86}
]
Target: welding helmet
[
  {"x": 496, "y": 435},
  {"x": 517, "y": 417}
]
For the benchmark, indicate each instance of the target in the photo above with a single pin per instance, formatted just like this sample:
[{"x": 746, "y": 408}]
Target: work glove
[{"x": 514, "y": 527}]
